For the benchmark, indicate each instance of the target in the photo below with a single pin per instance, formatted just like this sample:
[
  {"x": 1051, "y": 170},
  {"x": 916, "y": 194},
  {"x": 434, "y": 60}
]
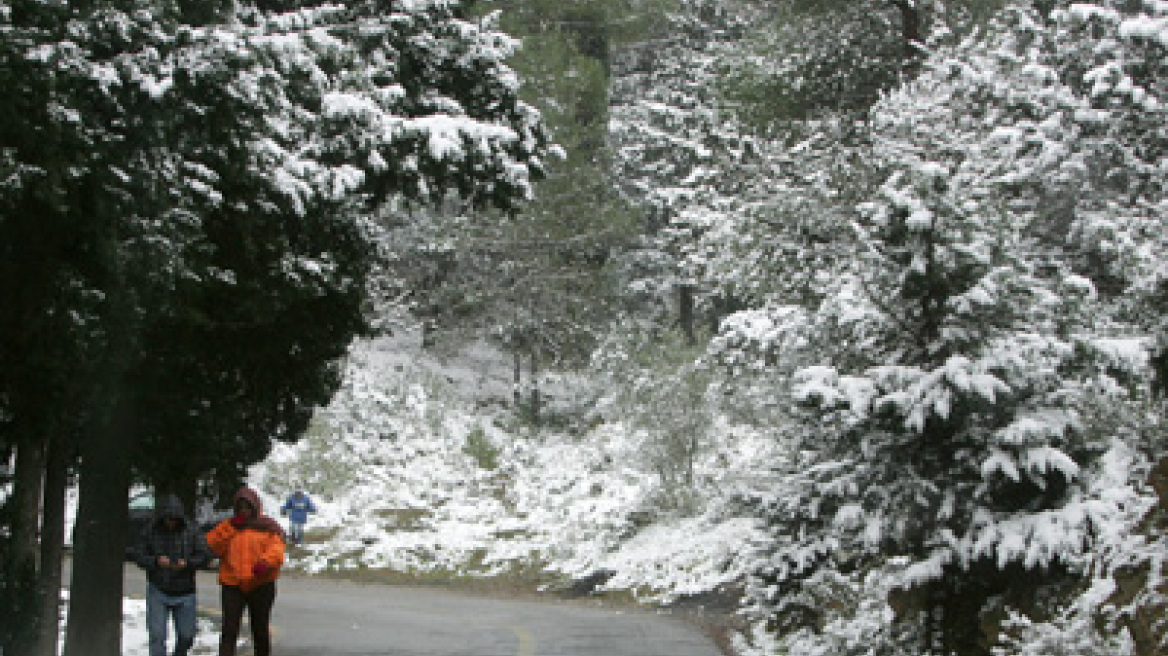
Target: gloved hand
[
  {"x": 238, "y": 520},
  {"x": 260, "y": 568}
]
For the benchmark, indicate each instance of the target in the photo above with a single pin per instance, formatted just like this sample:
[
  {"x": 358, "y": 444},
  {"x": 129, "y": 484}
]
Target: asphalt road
[{"x": 321, "y": 617}]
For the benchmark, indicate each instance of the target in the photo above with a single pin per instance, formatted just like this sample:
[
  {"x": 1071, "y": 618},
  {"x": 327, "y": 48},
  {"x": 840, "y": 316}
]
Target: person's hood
[
  {"x": 249, "y": 495},
  {"x": 261, "y": 522},
  {"x": 170, "y": 506}
]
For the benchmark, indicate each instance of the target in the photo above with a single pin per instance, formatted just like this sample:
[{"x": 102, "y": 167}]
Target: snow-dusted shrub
[
  {"x": 589, "y": 507},
  {"x": 837, "y": 614},
  {"x": 315, "y": 463},
  {"x": 1066, "y": 635},
  {"x": 661, "y": 393},
  {"x": 399, "y": 486}
]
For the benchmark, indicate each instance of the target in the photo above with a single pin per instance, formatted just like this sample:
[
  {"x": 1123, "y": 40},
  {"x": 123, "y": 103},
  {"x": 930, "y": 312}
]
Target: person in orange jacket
[{"x": 250, "y": 547}]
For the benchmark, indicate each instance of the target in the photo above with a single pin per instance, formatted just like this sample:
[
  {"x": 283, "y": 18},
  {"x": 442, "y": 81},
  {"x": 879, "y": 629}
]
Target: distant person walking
[
  {"x": 171, "y": 549},
  {"x": 297, "y": 508},
  {"x": 250, "y": 546}
]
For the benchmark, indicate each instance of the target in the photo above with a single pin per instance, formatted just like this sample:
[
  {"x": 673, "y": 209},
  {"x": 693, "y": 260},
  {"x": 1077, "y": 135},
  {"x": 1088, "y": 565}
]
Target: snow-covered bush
[
  {"x": 1065, "y": 635},
  {"x": 1094, "y": 619}
]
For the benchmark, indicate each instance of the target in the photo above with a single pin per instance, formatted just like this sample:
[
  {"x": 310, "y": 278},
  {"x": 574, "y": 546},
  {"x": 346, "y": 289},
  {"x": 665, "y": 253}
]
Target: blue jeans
[
  {"x": 296, "y": 532},
  {"x": 159, "y": 607}
]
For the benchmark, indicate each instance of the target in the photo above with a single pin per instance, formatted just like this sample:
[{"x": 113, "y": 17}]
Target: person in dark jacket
[{"x": 171, "y": 549}]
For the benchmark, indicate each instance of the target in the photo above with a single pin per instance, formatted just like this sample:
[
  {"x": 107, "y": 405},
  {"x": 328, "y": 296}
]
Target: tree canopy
[{"x": 198, "y": 186}]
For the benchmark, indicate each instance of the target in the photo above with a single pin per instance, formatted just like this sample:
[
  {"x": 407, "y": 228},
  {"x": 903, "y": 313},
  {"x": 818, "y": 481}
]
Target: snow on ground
[
  {"x": 417, "y": 466},
  {"x": 136, "y": 639}
]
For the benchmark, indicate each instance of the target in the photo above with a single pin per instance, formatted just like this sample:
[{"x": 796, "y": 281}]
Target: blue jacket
[{"x": 297, "y": 508}]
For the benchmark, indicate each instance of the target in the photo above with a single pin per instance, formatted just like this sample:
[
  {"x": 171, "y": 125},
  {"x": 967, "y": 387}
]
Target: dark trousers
[{"x": 259, "y": 614}]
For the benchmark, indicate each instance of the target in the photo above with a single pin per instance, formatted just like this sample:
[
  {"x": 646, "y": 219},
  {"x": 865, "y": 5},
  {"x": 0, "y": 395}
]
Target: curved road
[{"x": 321, "y": 617}]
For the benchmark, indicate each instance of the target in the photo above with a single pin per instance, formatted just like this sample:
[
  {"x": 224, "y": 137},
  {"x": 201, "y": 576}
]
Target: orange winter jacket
[
  {"x": 239, "y": 549},
  {"x": 260, "y": 540}
]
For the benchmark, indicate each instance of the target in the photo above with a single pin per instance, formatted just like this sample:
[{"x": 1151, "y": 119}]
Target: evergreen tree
[
  {"x": 673, "y": 141},
  {"x": 212, "y": 168},
  {"x": 539, "y": 280},
  {"x": 1107, "y": 213},
  {"x": 949, "y": 371}
]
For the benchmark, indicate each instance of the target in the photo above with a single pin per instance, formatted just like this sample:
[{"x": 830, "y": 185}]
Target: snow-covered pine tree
[
  {"x": 946, "y": 441},
  {"x": 668, "y": 136},
  {"x": 1115, "y": 55},
  {"x": 1113, "y": 206}
]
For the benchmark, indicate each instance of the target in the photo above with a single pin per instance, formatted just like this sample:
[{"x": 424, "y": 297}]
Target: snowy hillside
[{"x": 417, "y": 467}]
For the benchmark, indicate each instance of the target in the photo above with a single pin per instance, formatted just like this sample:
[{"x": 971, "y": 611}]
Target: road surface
[{"x": 321, "y": 617}]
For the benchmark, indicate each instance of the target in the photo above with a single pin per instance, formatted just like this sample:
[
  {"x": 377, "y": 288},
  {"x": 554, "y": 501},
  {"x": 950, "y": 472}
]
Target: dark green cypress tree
[{"x": 210, "y": 170}]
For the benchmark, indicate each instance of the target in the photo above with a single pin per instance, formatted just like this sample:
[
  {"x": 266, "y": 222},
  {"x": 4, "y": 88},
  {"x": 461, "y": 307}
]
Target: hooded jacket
[
  {"x": 183, "y": 542},
  {"x": 297, "y": 507},
  {"x": 240, "y": 548}
]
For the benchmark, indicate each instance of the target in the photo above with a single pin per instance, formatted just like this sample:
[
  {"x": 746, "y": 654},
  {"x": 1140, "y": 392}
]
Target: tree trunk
[
  {"x": 52, "y": 546},
  {"x": 26, "y": 498},
  {"x": 517, "y": 377},
  {"x": 21, "y": 568},
  {"x": 535, "y": 397},
  {"x": 691, "y": 457},
  {"x": 685, "y": 313},
  {"x": 911, "y": 30},
  {"x": 106, "y": 448},
  {"x": 99, "y": 537},
  {"x": 428, "y": 330}
]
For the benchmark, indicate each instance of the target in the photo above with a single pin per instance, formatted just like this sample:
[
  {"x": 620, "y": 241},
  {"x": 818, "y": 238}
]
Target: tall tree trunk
[
  {"x": 26, "y": 498},
  {"x": 52, "y": 546},
  {"x": 99, "y": 534},
  {"x": 21, "y": 568},
  {"x": 99, "y": 538},
  {"x": 106, "y": 448}
]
